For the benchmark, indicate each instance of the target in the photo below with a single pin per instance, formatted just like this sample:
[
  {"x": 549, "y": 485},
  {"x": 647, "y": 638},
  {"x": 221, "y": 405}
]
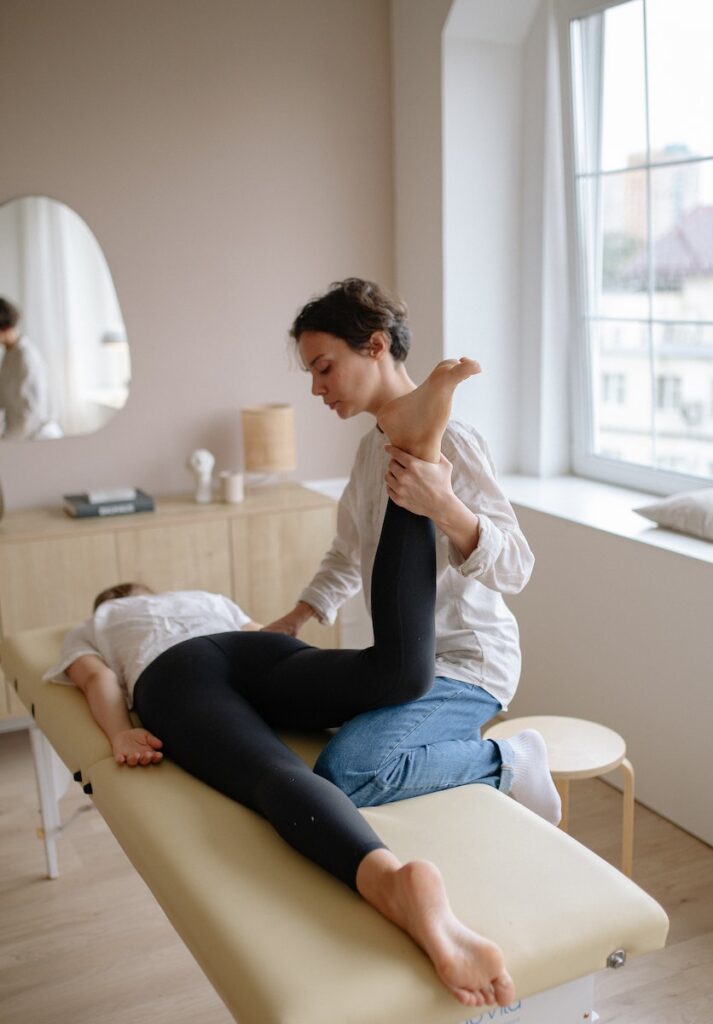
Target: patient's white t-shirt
[{"x": 129, "y": 633}]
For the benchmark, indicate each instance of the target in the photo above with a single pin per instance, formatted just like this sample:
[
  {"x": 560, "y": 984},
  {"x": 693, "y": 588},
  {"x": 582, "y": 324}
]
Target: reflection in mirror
[{"x": 64, "y": 356}]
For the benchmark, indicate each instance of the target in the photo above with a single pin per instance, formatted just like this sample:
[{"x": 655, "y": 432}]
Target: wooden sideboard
[{"x": 261, "y": 552}]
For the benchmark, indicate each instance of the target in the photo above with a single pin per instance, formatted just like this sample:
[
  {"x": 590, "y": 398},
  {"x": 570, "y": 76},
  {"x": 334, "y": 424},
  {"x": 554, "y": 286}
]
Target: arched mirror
[{"x": 64, "y": 355}]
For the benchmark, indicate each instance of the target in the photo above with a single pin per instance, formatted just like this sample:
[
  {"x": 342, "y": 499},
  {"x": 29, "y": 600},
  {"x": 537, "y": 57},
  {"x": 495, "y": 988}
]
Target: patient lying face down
[{"x": 130, "y": 627}]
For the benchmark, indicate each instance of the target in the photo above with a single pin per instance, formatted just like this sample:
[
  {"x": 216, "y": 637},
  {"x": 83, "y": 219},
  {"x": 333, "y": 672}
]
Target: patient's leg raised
[{"x": 415, "y": 421}]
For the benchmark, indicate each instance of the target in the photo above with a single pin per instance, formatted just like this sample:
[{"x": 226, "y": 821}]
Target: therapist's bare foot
[
  {"x": 413, "y": 896},
  {"x": 415, "y": 422}
]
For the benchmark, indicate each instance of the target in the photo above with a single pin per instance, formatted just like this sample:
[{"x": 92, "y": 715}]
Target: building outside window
[
  {"x": 668, "y": 392},
  {"x": 614, "y": 388},
  {"x": 642, "y": 163}
]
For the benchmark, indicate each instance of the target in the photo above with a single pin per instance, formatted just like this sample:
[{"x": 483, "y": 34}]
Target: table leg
[
  {"x": 563, "y": 790},
  {"x": 627, "y": 831},
  {"x": 48, "y": 792}
]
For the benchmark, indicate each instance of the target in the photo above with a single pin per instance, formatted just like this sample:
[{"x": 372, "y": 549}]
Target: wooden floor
[{"x": 92, "y": 947}]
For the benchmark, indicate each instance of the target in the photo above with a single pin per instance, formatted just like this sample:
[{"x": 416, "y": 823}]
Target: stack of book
[{"x": 119, "y": 501}]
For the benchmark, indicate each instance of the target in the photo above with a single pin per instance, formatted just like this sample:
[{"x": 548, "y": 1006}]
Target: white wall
[
  {"x": 482, "y": 119},
  {"x": 463, "y": 75},
  {"x": 619, "y": 632},
  {"x": 233, "y": 158},
  {"x": 417, "y": 70},
  {"x": 506, "y": 279},
  {"x": 545, "y": 336}
]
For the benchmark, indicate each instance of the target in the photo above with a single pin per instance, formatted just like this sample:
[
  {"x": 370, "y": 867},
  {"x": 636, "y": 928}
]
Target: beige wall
[{"x": 233, "y": 158}]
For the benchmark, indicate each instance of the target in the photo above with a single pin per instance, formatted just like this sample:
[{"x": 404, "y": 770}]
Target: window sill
[
  {"x": 587, "y": 502},
  {"x": 331, "y": 488},
  {"x": 603, "y": 507}
]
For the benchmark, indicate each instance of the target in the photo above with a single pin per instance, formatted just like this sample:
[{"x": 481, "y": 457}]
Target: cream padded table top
[{"x": 284, "y": 943}]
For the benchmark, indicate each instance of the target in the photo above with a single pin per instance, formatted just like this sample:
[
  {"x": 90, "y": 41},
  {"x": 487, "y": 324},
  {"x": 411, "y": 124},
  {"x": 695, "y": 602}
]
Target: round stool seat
[{"x": 576, "y": 748}]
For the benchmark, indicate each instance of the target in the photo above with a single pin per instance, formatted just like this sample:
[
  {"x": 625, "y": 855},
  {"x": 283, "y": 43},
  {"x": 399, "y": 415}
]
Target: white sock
[{"x": 532, "y": 783}]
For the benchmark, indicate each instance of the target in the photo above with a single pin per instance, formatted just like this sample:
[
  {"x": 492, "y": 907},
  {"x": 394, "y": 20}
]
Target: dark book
[{"x": 76, "y": 505}]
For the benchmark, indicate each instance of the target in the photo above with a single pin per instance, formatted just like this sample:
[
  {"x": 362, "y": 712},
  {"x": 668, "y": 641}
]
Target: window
[
  {"x": 614, "y": 389},
  {"x": 642, "y": 160},
  {"x": 668, "y": 392}
]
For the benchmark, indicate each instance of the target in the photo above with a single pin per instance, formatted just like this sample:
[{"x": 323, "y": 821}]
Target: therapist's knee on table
[
  {"x": 346, "y": 762},
  {"x": 351, "y": 762}
]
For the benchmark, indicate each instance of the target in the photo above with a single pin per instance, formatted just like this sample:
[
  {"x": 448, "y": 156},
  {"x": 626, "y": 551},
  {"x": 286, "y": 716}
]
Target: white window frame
[{"x": 584, "y": 462}]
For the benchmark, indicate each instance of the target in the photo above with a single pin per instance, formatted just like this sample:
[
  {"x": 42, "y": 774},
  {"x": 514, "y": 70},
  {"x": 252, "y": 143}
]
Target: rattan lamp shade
[{"x": 269, "y": 439}]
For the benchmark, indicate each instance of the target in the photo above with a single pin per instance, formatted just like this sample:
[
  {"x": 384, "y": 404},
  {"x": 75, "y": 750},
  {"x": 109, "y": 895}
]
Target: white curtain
[
  {"x": 69, "y": 304},
  {"x": 42, "y": 284}
]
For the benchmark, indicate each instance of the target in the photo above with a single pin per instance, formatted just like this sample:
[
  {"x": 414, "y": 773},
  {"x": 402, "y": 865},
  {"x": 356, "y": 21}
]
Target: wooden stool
[{"x": 578, "y": 749}]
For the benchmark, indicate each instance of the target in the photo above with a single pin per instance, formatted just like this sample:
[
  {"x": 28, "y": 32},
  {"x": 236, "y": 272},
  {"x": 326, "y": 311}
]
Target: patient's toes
[
  {"x": 467, "y": 996},
  {"x": 504, "y": 990}
]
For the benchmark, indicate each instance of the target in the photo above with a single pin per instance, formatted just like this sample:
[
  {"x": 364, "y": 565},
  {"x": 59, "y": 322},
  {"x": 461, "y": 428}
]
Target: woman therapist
[{"x": 353, "y": 341}]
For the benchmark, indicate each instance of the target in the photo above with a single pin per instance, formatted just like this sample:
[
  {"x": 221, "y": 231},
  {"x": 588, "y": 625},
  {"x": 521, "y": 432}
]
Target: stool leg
[
  {"x": 627, "y": 831},
  {"x": 563, "y": 790}
]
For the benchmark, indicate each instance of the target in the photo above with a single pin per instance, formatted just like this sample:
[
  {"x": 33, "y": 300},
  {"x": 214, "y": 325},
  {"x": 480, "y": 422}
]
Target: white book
[{"x": 98, "y": 497}]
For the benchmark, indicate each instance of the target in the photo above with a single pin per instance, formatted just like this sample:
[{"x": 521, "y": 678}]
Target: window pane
[
  {"x": 682, "y": 229},
  {"x": 614, "y": 231},
  {"x": 621, "y": 369},
  {"x": 644, "y": 187},
  {"x": 624, "y": 98},
  {"x": 680, "y": 67},
  {"x": 609, "y": 83},
  {"x": 683, "y": 367}
]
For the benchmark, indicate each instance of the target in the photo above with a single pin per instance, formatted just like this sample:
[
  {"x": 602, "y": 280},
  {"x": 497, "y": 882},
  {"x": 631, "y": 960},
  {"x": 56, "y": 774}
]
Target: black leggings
[{"x": 215, "y": 701}]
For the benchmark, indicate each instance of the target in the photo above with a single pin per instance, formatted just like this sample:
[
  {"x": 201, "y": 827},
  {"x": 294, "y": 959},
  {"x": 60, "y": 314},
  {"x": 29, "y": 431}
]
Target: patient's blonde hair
[{"x": 121, "y": 590}]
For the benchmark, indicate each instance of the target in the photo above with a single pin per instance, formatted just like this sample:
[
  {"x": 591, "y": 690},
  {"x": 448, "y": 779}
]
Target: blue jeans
[{"x": 426, "y": 745}]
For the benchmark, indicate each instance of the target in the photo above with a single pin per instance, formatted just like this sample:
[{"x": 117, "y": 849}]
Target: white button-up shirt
[
  {"x": 24, "y": 395},
  {"x": 477, "y": 638}
]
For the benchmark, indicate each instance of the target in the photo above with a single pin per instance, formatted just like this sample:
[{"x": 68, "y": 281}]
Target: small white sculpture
[{"x": 201, "y": 465}]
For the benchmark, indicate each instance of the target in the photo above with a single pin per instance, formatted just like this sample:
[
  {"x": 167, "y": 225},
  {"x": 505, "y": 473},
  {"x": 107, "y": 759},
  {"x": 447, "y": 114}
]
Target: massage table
[{"x": 283, "y": 942}]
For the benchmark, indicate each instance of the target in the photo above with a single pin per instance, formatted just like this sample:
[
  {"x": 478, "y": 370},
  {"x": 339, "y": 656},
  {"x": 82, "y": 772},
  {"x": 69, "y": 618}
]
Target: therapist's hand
[
  {"x": 136, "y": 746},
  {"x": 423, "y": 488},
  {"x": 293, "y": 622}
]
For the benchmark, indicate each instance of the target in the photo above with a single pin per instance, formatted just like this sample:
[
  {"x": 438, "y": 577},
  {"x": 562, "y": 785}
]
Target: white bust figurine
[{"x": 201, "y": 464}]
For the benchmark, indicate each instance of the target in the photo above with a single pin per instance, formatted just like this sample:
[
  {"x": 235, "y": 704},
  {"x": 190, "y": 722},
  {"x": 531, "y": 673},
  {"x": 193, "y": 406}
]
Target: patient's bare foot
[
  {"x": 415, "y": 422},
  {"x": 413, "y": 896}
]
